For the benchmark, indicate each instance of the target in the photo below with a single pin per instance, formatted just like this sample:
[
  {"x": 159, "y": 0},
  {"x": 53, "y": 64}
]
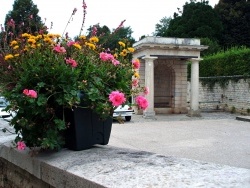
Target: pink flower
[
  {"x": 84, "y": 5},
  {"x": 115, "y": 62},
  {"x": 26, "y": 92},
  {"x": 70, "y": 43},
  {"x": 71, "y": 62},
  {"x": 141, "y": 102},
  {"x": 11, "y": 23},
  {"x": 146, "y": 90},
  {"x": 135, "y": 82},
  {"x": 117, "y": 98},
  {"x": 136, "y": 64},
  {"x": 59, "y": 49},
  {"x": 21, "y": 145},
  {"x": 30, "y": 93},
  {"x": 106, "y": 56}
]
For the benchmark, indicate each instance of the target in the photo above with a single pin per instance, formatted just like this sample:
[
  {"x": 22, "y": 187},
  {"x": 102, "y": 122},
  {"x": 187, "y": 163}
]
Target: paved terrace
[{"x": 171, "y": 151}]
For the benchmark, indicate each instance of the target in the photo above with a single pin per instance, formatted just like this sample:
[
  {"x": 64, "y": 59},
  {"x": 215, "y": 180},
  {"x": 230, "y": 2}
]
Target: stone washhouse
[{"x": 164, "y": 70}]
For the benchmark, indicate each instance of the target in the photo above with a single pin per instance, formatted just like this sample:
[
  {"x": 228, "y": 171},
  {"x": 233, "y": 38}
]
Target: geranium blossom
[
  {"x": 117, "y": 98},
  {"x": 141, "y": 102},
  {"x": 106, "y": 56},
  {"x": 146, "y": 90},
  {"x": 21, "y": 145},
  {"x": 136, "y": 64},
  {"x": 135, "y": 82},
  {"x": 70, "y": 43},
  {"x": 71, "y": 62},
  {"x": 115, "y": 62},
  {"x": 30, "y": 93},
  {"x": 59, "y": 49}
]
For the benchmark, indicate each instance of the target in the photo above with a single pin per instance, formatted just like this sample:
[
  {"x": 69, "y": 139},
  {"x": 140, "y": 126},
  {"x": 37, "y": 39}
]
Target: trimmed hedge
[
  {"x": 233, "y": 64},
  {"x": 235, "y": 61}
]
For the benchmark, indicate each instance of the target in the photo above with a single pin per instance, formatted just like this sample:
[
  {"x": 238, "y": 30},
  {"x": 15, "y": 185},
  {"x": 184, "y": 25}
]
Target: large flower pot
[{"x": 86, "y": 129}]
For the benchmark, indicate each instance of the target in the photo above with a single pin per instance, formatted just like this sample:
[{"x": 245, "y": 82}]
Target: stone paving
[{"x": 215, "y": 137}]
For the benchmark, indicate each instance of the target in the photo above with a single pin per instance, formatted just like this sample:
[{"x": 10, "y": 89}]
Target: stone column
[
  {"x": 194, "y": 96},
  {"x": 149, "y": 113}
]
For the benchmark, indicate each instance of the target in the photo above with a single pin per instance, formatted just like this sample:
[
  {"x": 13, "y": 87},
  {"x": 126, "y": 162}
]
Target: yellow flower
[
  {"x": 123, "y": 53},
  {"x": 15, "y": 47},
  {"x": 90, "y": 45},
  {"x": 93, "y": 40},
  {"x": 25, "y": 35},
  {"x": 31, "y": 41},
  {"x": 13, "y": 43},
  {"x": 26, "y": 48},
  {"x": 47, "y": 40},
  {"x": 121, "y": 44},
  {"x": 33, "y": 46},
  {"x": 131, "y": 50},
  {"x": 38, "y": 37},
  {"x": 82, "y": 37},
  {"x": 16, "y": 55},
  {"x": 57, "y": 35},
  {"x": 136, "y": 75},
  {"x": 77, "y": 46},
  {"x": 50, "y": 35},
  {"x": 115, "y": 55},
  {"x": 9, "y": 56}
]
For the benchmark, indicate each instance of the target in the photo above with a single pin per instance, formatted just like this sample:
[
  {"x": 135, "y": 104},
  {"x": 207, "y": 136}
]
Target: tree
[
  {"x": 235, "y": 16},
  {"x": 110, "y": 39},
  {"x": 197, "y": 20},
  {"x": 213, "y": 48},
  {"x": 161, "y": 28},
  {"x": 23, "y": 18}
]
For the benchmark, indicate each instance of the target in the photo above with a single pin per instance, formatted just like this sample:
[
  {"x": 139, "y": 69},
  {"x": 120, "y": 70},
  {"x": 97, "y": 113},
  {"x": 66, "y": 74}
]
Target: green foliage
[
  {"x": 233, "y": 110},
  {"x": 161, "y": 28},
  {"x": 109, "y": 39},
  {"x": 26, "y": 18},
  {"x": 248, "y": 111},
  {"x": 198, "y": 20},
  {"x": 223, "y": 66},
  {"x": 213, "y": 47},
  {"x": 235, "y": 17}
]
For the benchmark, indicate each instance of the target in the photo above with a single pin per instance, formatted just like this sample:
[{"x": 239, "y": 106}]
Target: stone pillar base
[
  {"x": 149, "y": 115},
  {"x": 194, "y": 113}
]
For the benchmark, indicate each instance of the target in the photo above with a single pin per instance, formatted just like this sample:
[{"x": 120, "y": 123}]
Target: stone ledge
[
  {"x": 243, "y": 118},
  {"x": 106, "y": 166}
]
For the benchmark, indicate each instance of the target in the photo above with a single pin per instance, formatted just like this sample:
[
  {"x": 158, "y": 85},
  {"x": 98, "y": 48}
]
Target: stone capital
[{"x": 196, "y": 59}]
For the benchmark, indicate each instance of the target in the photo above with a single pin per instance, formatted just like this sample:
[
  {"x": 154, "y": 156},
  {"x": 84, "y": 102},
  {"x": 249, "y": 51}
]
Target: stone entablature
[{"x": 169, "y": 47}]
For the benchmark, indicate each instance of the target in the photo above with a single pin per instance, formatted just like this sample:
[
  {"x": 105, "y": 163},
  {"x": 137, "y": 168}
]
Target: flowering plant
[{"x": 43, "y": 73}]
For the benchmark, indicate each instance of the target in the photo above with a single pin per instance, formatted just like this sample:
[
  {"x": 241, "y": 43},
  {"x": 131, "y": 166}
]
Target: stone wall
[
  {"x": 235, "y": 97},
  {"x": 12, "y": 176}
]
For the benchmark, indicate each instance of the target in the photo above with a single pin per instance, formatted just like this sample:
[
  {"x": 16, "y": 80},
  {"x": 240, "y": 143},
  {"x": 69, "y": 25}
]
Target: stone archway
[{"x": 163, "y": 85}]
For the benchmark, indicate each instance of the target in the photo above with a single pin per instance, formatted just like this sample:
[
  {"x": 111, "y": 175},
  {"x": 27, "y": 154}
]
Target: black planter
[{"x": 86, "y": 129}]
